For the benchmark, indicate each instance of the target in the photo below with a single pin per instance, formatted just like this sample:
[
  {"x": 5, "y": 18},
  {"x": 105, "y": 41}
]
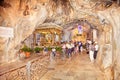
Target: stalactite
[
  {"x": 26, "y": 12},
  {"x": 64, "y": 4},
  {"x": 20, "y": 4}
]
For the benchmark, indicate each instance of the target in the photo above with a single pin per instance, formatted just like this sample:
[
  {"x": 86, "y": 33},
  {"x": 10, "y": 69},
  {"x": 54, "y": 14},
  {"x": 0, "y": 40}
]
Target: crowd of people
[
  {"x": 72, "y": 48},
  {"x": 77, "y": 47}
]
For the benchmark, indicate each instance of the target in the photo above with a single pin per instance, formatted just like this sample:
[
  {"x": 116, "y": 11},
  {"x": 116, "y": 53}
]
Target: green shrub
[
  {"x": 38, "y": 49},
  {"x": 49, "y": 48},
  {"x": 26, "y": 49},
  {"x": 59, "y": 49}
]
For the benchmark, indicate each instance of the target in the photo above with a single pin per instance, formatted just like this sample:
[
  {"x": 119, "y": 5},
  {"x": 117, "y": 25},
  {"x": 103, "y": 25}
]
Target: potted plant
[
  {"x": 49, "y": 48},
  {"x": 58, "y": 49},
  {"x": 38, "y": 49},
  {"x": 27, "y": 51}
]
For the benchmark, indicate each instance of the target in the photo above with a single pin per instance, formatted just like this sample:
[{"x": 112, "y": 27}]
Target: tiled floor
[{"x": 78, "y": 67}]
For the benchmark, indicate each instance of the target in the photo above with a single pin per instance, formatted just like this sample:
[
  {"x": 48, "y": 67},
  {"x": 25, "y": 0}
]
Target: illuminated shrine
[
  {"x": 47, "y": 35},
  {"x": 79, "y": 36}
]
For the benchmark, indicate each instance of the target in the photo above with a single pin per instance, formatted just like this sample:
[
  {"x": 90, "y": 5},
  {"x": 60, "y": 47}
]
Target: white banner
[{"x": 6, "y": 32}]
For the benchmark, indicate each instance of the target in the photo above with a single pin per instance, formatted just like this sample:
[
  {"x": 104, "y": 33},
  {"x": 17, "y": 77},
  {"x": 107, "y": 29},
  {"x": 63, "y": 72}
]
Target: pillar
[
  {"x": 60, "y": 38},
  {"x": 94, "y": 34},
  {"x": 34, "y": 39},
  {"x": 53, "y": 38}
]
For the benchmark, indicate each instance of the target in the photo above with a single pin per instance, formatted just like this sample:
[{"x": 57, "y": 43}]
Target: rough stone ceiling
[{"x": 60, "y": 11}]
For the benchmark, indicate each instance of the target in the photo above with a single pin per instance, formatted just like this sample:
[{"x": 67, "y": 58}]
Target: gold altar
[
  {"x": 50, "y": 34},
  {"x": 79, "y": 37}
]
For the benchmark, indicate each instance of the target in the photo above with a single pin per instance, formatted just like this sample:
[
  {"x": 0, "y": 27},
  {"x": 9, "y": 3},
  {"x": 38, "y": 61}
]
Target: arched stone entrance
[
  {"x": 88, "y": 31},
  {"x": 102, "y": 33}
]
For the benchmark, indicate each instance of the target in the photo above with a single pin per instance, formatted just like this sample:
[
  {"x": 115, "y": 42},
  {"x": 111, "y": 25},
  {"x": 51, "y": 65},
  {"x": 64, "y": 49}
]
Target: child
[
  {"x": 54, "y": 51},
  {"x": 45, "y": 50}
]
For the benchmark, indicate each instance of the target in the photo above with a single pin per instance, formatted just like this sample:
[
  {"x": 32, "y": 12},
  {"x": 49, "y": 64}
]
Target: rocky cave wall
[
  {"x": 109, "y": 40},
  {"x": 23, "y": 20},
  {"x": 114, "y": 18},
  {"x": 24, "y": 15}
]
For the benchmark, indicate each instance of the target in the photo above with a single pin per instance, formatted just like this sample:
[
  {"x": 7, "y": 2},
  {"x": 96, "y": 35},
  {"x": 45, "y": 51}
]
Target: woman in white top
[
  {"x": 91, "y": 52},
  {"x": 96, "y": 50}
]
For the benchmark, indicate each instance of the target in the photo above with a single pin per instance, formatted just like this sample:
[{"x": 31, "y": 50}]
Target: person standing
[
  {"x": 45, "y": 50},
  {"x": 81, "y": 48},
  {"x": 76, "y": 49},
  {"x": 79, "y": 45},
  {"x": 52, "y": 59},
  {"x": 87, "y": 47},
  {"x": 63, "y": 50},
  {"x": 54, "y": 52},
  {"x": 91, "y": 51},
  {"x": 68, "y": 46},
  {"x": 96, "y": 50},
  {"x": 72, "y": 47}
]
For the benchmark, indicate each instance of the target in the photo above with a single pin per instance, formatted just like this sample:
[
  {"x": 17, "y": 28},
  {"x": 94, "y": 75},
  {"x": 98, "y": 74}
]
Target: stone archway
[{"x": 105, "y": 32}]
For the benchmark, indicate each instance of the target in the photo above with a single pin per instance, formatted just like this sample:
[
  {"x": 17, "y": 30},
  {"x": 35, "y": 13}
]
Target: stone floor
[{"x": 78, "y": 67}]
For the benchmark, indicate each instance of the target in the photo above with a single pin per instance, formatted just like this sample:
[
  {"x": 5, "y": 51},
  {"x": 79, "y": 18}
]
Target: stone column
[
  {"x": 107, "y": 53},
  {"x": 34, "y": 39},
  {"x": 100, "y": 54},
  {"x": 53, "y": 38},
  {"x": 94, "y": 34},
  {"x": 59, "y": 38}
]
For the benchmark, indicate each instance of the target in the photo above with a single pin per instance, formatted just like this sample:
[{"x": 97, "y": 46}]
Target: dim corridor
[{"x": 78, "y": 67}]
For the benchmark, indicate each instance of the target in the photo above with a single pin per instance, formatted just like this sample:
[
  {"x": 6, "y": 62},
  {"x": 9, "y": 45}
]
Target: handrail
[{"x": 12, "y": 70}]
